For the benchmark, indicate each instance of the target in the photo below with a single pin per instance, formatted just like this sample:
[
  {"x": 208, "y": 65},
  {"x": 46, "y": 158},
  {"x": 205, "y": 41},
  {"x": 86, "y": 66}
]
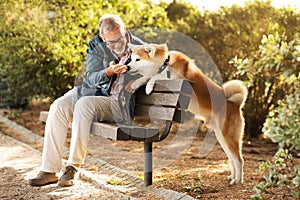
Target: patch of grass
[
  {"x": 199, "y": 178},
  {"x": 181, "y": 176},
  {"x": 116, "y": 181},
  {"x": 194, "y": 188}
]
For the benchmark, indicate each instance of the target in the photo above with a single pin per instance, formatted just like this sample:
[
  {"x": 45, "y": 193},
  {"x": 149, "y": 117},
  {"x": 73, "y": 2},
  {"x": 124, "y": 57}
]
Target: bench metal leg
[{"x": 148, "y": 163}]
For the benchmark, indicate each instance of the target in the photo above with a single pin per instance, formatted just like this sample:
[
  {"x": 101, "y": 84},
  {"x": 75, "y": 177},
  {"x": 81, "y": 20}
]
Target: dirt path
[{"x": 20, "y": 162}]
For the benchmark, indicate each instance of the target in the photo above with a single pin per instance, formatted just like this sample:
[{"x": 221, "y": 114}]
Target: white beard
[{"x": 120, "y": 51}]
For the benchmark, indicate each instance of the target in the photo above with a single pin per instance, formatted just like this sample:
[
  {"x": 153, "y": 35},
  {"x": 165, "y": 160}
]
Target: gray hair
[{"x": 111, "y": 22}]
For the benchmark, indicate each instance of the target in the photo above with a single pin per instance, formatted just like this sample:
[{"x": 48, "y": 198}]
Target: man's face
[{"x": 116, "y": 41}]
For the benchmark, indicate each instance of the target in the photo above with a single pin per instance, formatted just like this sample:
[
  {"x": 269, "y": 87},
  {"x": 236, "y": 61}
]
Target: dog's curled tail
[{"x": 235, "y": 92}]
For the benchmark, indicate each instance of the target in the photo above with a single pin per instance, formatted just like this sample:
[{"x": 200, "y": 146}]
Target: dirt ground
[
  {"x": 16, "y": 167},
  {"x": 202, "y": 178}
]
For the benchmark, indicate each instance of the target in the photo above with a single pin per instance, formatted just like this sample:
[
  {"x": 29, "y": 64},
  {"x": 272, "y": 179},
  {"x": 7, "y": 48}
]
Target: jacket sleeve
[
  {"x": 138, "y": 41},
  {"x": 96, "y": 63}
]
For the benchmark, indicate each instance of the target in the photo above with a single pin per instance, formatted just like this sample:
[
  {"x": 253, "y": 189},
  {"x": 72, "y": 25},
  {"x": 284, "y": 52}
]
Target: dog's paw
[
  {"x": 231, "y": 177},
  {"x": 235, "y": 181},
  {"x": 149, "y": 88}
]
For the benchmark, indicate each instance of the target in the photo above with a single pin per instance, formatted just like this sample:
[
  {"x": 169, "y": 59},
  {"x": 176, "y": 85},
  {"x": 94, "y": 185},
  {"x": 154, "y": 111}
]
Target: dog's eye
[{"x": 137, "y": 59}]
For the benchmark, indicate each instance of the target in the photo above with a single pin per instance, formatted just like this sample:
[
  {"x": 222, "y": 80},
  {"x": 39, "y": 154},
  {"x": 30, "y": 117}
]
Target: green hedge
[{"x": 43, "y": 43}]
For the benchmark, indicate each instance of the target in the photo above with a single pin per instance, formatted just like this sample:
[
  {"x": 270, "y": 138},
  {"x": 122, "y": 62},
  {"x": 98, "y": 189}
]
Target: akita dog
[{"x": 219, "y": 106}]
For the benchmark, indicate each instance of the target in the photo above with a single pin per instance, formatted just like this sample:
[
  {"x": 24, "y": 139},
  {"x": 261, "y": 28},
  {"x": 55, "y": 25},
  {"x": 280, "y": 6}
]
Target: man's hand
[{"x": 115, "y": 69}]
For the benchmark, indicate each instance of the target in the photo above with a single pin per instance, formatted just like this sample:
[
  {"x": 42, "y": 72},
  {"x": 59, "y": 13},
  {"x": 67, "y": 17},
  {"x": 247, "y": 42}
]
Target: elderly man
[{"x": 99, "y": 97}]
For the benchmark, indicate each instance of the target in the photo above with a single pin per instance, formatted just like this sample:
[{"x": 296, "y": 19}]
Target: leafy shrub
[
  {"x": 43, "y": 43},
  {"x": 32, "y": 61},
  {"x": 282, "y": 126},
  {"x": 268, "y": 75},
  {"x": 274, "y": 79},
  {"x": 283, "y": 174}
]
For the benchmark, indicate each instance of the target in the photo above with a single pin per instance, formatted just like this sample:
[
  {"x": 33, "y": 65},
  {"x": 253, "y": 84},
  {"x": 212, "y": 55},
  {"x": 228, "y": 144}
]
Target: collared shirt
[{"x": 119, "y": 82}]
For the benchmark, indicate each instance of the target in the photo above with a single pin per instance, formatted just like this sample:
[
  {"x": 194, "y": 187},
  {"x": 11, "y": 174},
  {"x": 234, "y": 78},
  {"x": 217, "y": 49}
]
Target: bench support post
[{"x": 148, "y": 163}]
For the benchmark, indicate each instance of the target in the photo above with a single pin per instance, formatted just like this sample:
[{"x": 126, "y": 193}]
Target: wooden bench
[{"x": 159, "y": 110}]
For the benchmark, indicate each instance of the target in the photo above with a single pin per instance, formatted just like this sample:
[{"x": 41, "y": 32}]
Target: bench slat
[
  {"x": 166, "y": 99},
  {"x": 155, "y": 112},
  {"x": 125, "y": 132},
  {"x": 43, "y": 116},
  {"x": 141, "y": 133},
  {"x": 180, "y": 85},
  {"x": 110, "y": 131}
]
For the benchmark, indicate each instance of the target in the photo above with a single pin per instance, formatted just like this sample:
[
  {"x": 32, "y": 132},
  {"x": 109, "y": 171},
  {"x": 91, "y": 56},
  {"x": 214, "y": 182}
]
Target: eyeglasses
[{"x": 113, "y": 43}]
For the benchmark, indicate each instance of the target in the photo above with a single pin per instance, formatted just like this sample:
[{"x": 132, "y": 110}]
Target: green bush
[
  {"x": 33, "y": 62},
  {"x": 273, "y": 78},
  {"x": 43, "y": 43},
  {"x": 283, "y": 174},
  {"x": 282, "y": 126},
  {"x": 22, "y": 45},
  {"x": 266, "y": 74}
]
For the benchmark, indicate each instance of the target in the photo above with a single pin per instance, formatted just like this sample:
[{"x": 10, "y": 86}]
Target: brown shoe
[
  {"x": 67, "y": 179},
  {"x": 43, "y": 178}
]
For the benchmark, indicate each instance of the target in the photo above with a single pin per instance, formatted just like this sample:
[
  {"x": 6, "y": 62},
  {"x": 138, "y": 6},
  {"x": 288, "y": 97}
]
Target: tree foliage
[
  {"x": 24, "y": 48},
  {"x": 269, "y": 73},
  {"x": 43, "y": 43},
  {"x": 283, "y": 122},
  {"x": 282, "y": 126},
  {"x": 274, "y": 77}
]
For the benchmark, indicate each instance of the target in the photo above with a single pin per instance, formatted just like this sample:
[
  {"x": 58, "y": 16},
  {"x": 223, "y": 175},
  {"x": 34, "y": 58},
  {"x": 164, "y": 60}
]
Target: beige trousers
[{"x": 81, "y": 113}]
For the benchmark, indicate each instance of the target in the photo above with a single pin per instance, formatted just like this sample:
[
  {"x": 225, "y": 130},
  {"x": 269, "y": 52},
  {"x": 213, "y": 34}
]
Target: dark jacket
[{"x": 96, "y": 83}]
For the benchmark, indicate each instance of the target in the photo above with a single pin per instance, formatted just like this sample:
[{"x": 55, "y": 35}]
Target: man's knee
[
  {"x": 85, "y": 104},
  {"x": 96, "y": 106},
  {"x": 60, "y": 105}
]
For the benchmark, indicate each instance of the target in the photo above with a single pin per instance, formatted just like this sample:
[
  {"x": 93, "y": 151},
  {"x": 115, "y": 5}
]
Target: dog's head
[{"x": 147, "y": 59}]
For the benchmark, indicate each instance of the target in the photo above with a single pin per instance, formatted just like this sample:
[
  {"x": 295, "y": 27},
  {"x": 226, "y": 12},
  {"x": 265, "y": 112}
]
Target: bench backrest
[{"x": 168, "y": 100}]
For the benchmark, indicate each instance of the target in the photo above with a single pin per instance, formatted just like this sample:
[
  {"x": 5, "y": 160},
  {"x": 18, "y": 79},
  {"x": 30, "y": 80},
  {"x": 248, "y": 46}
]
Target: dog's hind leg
[
  {"x": 236, "y": 162},
  {"x": 233, "y": 143},
  {"x": 225, "y": 148},
  {"x": 232, "y": 169}
]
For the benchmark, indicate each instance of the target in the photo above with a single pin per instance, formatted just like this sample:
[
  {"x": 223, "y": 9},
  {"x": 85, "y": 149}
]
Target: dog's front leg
[
  {"x": 139, "y": 82},
  {"x": 151, "y": 82}
]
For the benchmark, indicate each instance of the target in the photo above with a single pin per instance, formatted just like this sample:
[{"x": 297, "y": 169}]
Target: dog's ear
[
  {"x": 132, "y": 46},
  {"x": 150, "y": 50},
  {"x": 165, "y": 46}
]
